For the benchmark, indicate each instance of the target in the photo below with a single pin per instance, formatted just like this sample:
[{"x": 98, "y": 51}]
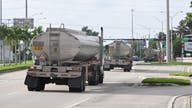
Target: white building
[{"x": 5, "y": 52}]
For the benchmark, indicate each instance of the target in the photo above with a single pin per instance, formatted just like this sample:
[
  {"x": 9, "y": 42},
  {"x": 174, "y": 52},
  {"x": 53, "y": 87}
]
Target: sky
[{"x": 113, "y": 15}]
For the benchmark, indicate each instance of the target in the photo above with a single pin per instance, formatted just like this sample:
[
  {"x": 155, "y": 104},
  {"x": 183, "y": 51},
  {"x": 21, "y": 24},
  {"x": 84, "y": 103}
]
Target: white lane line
[
  {"x": 78, "y": 103},
  {"x": 12, "y": 93}
]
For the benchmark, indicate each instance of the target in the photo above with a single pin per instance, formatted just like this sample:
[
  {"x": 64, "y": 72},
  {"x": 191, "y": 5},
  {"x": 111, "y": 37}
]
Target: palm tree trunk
[
  {"x": 15, "y": 54},
  {"x": 9, "y": 56},
  {"x": 3, "y": 55}
]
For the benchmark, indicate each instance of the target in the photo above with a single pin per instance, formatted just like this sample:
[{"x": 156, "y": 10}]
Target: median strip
[
  {"x": 157, "y": 81},
  {"x": 186, "y": 74}
]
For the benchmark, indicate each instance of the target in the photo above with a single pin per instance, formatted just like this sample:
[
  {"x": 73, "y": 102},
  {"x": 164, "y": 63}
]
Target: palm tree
[{"x": 8, "y": 40}]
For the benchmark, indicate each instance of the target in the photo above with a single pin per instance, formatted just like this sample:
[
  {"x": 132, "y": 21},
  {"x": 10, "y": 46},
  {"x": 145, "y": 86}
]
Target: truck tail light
[
  {"x": 31, "y": 68},
  {"x": 90, "y": 70},
  {"x": 76, "y": 69}
]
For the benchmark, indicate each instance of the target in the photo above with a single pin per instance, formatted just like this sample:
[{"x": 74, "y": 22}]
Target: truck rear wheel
[
  {"x": 126, "y": 70},
  {"x": 92, "y": 82},
  {"x": 81, "y": 87},
  {"x": 40, "y": 87},
  {"x": 94, "y": 78},
  {"x": 101, "y": 79},
  {"x": 30, "y": 88}
]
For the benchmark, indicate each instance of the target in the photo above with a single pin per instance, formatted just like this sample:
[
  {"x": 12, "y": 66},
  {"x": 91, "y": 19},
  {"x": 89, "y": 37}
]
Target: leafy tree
[
  {"x": 185, "y": 25},
  {"x": 153, "y": 44},
  {"x": 12, "y": 36},
  {"x": 191, "y": 4},
  {"x": 177, "y": 47},
  {"x": 188, "y": 20},
  {"x": 161, "y": 36},
  {"x": 89, "y": 31},
  {"x": 36, "y": 31},
  {"x": 4, "y": 33}
]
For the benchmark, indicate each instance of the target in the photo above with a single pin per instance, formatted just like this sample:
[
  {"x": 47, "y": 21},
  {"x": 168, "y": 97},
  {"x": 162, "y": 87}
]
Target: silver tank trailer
[
  {"x": 58, "y": 44},
  {"x": 120, "y": 49}
]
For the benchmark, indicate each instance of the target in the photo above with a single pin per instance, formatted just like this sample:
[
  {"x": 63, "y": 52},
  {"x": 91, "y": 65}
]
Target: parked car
[{"x": 135, "y": 58}]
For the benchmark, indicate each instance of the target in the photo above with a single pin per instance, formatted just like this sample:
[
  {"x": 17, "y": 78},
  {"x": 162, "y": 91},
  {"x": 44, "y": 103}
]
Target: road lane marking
[
  {"x": 12, "y": 93},
  {"x": 78, "y": 103}
]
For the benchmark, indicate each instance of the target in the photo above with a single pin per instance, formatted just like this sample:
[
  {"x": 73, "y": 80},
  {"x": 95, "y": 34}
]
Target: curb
[{"x": 173, "y": 99}]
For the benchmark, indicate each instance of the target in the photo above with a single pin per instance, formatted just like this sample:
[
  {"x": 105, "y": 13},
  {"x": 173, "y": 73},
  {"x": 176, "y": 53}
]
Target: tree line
[
  {"x": 184, "y": 28},
  {"x": 12, "y": 36}
]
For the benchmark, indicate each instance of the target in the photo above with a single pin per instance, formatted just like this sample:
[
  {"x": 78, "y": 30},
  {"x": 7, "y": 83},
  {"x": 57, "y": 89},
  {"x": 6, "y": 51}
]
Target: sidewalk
[{"x": 182, "y": 102}]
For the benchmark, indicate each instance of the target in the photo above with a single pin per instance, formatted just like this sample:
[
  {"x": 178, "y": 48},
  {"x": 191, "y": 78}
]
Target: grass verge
[
  {"x": 186, "y": 74},
  {"x": 167, "y": 80},
  {"x": 15, "y": 66},
  {"x": 173, "y": 63}
]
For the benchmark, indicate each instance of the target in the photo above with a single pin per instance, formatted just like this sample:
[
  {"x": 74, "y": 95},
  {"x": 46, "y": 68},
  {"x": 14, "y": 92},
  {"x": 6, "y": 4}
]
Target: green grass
[
  {"x": 167, "y": 80},
  {"x": 15, "y": 66},
  {"x": 186, "y": 74},
  {"x": 6, "y": 61},
  {"x": 173, "y": 63}
]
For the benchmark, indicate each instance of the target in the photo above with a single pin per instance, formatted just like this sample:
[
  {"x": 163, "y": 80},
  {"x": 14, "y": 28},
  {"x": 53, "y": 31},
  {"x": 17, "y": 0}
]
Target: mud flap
[
  {"x": 74, "y": 82},
  {"x": 31, "y": 81}
]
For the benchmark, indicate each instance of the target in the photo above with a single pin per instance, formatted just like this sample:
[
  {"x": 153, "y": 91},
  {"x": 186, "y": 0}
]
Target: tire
[
  {"x": 126, "y": 70},
  {"x": 40, "y": 85},
  {"x": 94, "y": 79},
  {"x": 30, "y": 88},
  {"x": 82, "y": 85},
  {"x": 92, "y": 83},
  {"x": 101, "y": 80}
]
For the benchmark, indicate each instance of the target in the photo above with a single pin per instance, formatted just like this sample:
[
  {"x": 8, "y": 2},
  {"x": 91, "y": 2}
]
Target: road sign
[
  {"x": 21, "y": 22},
  {"x": 188, "y": 46},
  {"x": 42, "y": 57},
  {"x": 163, "y": 44},
  {"x": 185, "y": 38}
]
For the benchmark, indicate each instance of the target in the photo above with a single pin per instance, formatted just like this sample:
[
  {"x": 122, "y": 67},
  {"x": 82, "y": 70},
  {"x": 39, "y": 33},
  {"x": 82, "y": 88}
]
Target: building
[{"x": 5, "y": 52}]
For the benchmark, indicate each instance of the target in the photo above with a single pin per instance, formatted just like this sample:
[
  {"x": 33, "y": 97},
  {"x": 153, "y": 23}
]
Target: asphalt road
[{"x": 118, "y": 90}]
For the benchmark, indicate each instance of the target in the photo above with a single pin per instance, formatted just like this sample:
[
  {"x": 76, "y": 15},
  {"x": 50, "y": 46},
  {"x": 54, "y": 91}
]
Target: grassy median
[
  {"x": 186, "y": 74},
  {"x": 14, "y": 66},
  {"x": 173, "y": 63},
  {"x": 167, "y": 80}
]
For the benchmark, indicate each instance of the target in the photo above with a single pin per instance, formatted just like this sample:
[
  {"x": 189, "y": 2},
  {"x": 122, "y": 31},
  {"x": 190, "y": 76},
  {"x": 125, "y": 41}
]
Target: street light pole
[
  {"x": 26, "y": 9},
  {"x": 171, "y": 38},
  {"x": 132, "y": 30},
  {"x": 168, "y": 34},
  {"x": 132, "y": 23},
  {"x": 1, "y": 12}
]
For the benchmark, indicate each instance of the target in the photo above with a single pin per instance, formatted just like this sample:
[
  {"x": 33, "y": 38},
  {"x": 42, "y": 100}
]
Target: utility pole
[
  {"x": 1, "y": 12},
  {"x": 132, "y": 23},
  {"x": 26, "y": 9},
  {"x": 132, "y": 31},
  {"x": 168, "y": 50}
]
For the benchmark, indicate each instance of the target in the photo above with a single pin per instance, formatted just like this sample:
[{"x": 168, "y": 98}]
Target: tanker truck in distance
[
  {"x": 119, "y": 55},
  {"x": 65, "y": 57}
]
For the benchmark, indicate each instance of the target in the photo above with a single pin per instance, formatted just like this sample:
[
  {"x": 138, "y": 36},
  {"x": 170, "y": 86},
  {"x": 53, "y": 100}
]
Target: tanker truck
[
  {"x": 151, "y": 55},
  {"x": 65, "y": 57},
  {"x": 119, "y": 55}
]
